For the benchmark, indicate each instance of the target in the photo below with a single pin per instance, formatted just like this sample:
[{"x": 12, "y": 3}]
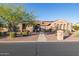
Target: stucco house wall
[
  {"x": 61, "y": 24},
  {"x": 58, "y": 24}
]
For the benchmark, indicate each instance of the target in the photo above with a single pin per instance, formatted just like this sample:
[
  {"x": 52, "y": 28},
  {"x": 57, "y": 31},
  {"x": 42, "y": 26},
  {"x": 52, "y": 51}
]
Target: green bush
[
  {"x": 24, "y": 33},
  {"x": 76, "y": 27},
  {"x": 12, "y": 34},
  {"x": 48, "y": 30}
]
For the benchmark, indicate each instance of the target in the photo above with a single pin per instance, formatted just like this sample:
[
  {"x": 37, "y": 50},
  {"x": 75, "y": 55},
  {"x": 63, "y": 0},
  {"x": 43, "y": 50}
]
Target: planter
[{"x": 12, "y": 34}]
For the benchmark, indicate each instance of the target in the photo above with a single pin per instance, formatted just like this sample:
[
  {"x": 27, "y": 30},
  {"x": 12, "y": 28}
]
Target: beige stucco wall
[
  {"x": 3, "y": 29},
  {"x": 30, "y": 28},
  {"x": 20, "y": 26},
  {"x": 61, "y": 24}
]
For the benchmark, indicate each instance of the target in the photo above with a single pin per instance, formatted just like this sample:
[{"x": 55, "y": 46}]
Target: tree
[
  {"x": 14, "y": 16},
  {"x": 1, "y": 24},
  {"x": 29, "y": 19},
  {"x": 11, "y": 16}
]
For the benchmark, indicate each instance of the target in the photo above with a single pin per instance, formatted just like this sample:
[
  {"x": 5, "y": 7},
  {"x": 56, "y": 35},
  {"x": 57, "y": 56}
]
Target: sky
[{"x": 55, "y": 11}]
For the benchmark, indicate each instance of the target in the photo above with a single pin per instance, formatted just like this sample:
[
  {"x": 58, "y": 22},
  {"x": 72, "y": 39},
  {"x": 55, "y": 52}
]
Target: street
[{"x": 40, "y": 49}]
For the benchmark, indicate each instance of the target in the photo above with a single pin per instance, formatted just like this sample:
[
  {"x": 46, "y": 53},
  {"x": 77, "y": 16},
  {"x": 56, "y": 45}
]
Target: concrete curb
[{"x": 38, "y": 41}]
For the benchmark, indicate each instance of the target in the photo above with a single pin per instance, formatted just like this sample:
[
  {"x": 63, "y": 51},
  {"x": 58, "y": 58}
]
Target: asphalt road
[{"x": 40, "y": 49}]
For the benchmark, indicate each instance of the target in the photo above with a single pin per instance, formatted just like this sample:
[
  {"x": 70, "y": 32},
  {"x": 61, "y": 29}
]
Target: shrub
[
  {"x": 24, "y": 33},
  {"x": 76, "y": 27},
  {"x": 12, "y": 34},
  {"x": 47, "y": 30}
]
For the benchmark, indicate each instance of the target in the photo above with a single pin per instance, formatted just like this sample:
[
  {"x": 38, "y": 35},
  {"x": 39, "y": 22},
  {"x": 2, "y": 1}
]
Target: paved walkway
[{"x": 41, "y": 37}]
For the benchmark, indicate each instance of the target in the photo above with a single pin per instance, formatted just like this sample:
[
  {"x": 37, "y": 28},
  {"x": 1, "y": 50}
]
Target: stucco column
[
  {"x": 60, "y": 35},
  {"x": 65, "y": 26}
]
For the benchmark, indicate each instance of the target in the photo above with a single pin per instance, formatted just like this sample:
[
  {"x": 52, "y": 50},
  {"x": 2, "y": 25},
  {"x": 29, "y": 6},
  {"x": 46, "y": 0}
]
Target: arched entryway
[{"x": 36, "y": 28}]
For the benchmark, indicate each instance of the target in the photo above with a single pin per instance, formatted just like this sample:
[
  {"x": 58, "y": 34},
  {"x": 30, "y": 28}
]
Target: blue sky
[{"x": 54, "y": 11}]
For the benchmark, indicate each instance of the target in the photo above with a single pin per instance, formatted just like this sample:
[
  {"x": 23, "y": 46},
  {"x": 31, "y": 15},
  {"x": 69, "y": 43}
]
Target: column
[{"x": 60, "y": 35}]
